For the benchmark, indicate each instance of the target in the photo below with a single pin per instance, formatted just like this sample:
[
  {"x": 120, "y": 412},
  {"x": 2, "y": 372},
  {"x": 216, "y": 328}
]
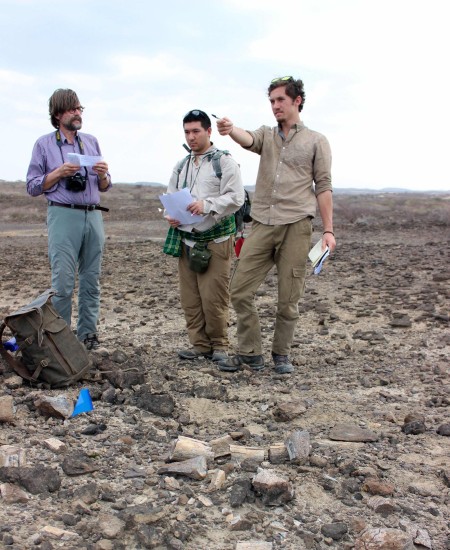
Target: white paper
[
  {"x": 176, "y": 206},
  {"x": 83, "y": 160},
  {"x": 316, "y": 253}
]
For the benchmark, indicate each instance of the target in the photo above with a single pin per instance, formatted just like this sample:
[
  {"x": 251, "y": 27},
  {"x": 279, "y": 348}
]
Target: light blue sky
[{"x": 375, "y": 74}]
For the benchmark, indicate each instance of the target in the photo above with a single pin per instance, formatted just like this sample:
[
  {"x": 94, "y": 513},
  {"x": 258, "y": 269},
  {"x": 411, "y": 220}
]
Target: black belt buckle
[{"x": 90, "y": 207}]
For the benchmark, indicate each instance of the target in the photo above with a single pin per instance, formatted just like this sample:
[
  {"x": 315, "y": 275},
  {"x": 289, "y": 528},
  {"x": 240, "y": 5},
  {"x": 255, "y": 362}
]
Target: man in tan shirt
[{"x": 294, "y": 176}]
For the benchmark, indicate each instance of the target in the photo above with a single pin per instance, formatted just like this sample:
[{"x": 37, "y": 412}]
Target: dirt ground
[{"x": 371, "y": 352}]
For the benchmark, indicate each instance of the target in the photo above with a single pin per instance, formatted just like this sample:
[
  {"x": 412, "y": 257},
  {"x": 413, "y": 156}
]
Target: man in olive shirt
[{"x": 294, "y": 176}]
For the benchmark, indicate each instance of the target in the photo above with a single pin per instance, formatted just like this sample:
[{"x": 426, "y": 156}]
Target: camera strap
[{"x": 80, "y": 147}]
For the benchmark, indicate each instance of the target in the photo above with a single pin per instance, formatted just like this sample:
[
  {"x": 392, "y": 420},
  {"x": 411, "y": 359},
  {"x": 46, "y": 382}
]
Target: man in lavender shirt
[{"x": 74, "y": 219}]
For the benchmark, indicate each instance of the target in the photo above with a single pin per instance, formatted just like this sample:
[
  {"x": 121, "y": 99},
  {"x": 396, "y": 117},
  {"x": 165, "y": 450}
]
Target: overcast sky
[{"x": 376, "y": 76}]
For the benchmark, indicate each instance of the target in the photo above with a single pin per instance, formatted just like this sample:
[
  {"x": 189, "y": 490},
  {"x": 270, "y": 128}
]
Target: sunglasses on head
[
  {"x": 196, "y": 112},
  {"x": 283, "y": 79}
]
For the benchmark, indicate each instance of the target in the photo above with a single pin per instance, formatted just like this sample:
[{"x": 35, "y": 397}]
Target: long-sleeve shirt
[
  {"x": 293, "y": 170},
  {"x": 47, "y": 155},
  {"x": 222, "y": 197}
]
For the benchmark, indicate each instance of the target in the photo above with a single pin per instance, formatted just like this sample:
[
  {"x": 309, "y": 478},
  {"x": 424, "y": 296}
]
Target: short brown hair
[
  {"x": 294, "y": 88},
  {"x": 61, "y": 100}
]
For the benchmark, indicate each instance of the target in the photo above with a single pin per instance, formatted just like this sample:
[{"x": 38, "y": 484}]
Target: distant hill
[{"x": 336, "y": 190}]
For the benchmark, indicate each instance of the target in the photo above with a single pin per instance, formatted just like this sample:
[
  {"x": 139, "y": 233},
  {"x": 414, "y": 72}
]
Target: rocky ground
[{"x": 351, "y": 451}]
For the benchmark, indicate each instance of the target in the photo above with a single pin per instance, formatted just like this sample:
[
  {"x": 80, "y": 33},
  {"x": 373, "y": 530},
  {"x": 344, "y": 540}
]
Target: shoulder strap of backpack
[
  {"x": 180, "y": 168},
  {"x": 215, "y": 159}
]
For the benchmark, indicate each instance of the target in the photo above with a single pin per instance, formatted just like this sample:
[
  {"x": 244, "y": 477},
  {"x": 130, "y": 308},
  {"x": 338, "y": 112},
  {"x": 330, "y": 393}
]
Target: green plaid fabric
[{"x": 172, "y": 246}]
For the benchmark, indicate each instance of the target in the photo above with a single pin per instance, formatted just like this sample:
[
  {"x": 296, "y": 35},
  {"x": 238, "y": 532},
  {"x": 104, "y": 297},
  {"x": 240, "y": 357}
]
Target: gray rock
[
  {"x": 349, "y": 432},
  {"x": 36, "y": 480},
  {"x": 444, "y": 429},
  {"x": 241, "y": 491},
  {"x": 161, "y": 404},
  {"x": 334, "y": 531},
  {"x": 78, "y": 463}
]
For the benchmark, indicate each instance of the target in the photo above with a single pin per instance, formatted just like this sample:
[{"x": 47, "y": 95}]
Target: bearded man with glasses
[
  {"x": 75, "y": 224},
  {"x": 294, "y": 176},
  {"x": 205, "y": 247}
]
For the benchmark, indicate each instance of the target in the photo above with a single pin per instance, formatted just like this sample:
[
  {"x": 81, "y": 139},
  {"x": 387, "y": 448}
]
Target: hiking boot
[
  {"x": 219, "y": 355},
  {"x": 282, "y": 365},
  {"x": 192, "y": 354},
  {"x": 234, "y": 363},
  {"x": 91, "y": 342}
]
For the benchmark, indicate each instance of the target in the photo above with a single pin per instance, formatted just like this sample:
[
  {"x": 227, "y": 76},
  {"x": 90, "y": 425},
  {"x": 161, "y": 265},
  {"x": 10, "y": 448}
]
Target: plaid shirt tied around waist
[{"x": 173, "y": 244}]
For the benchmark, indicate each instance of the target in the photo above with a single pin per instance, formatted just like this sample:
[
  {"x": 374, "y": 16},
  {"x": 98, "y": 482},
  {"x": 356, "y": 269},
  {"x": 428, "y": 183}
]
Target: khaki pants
[
  {"x": 205, "y": 298},
  {"x": 287, "y": 247}
]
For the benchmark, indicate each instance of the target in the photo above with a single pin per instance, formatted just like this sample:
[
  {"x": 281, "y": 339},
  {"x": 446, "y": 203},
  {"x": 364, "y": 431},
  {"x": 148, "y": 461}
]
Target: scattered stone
[
  {"x": 384, "y": 539},
  {"x": 195, "y": 468},
  {"x": 110, "y": 526},
  {"x": 298, "y": 446},
  {"x": 94, "y": 429},
  {"x": 7, "y": 408},
  {"x": 36, "y": 480},
  {"x": 207, "y": 502},
  {"x": 217, "y": 480},
  {"x": 284, "y": 412},
  {"x": 240, "y": 523},
  {"x": 444, "y": 429},
  {"x": 12, "y": 456},
  {"x": 349, "y": 432},
  {"x": 58, "y": 534},
  {"x": 334, "y": 531},
  {"x": 278, "y": 454},
  {"x": 241, "y": 491},
  {"x": 58, "y": 407},
  {"x": 78, "y": 463},
  {"x": 210, "y": 391},
  {"x": 12, "y": 494},
  {"x": 400, "y": 320},
  {"x": 126, "y": 378},
  {"x": 274, "y": 489},
  {"x": 161, "y": 404},
  {"x": 416, "y": 427},
  {"x": 55, "y": 445},
  {"x": 381, "y": 505},
  {"x": 377, "y": 487}
]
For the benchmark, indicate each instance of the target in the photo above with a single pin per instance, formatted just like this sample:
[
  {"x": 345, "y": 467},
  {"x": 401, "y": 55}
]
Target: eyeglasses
[
  {"x": 282, "y": 79},
  {"x": 75, "y": 109},
  {"x": 196, "y": 112}
]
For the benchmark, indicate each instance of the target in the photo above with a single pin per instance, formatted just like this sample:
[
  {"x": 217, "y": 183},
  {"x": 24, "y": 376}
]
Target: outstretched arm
[{"x": 226, "y": 128}]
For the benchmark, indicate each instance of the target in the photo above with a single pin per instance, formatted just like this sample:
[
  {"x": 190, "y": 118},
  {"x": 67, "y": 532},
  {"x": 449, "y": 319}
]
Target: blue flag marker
[{"x": 84, "y": 403}]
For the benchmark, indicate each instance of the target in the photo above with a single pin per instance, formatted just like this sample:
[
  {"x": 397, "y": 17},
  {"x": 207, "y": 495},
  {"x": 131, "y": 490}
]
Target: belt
[{"x": 85, "y": 207}]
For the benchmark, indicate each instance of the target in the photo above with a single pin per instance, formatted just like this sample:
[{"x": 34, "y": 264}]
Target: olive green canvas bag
[{"x": 48, "y": 350}]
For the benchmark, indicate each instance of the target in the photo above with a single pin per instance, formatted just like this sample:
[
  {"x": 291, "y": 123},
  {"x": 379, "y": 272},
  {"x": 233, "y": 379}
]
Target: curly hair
[
  {"x": 61, "y": 100},
  {"x": 294, "y": 88}
]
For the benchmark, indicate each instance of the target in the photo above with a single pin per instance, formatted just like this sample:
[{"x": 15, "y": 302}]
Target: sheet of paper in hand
[
  {"x": 83, "y": 160},
  {"x": 318, "y": 256}
]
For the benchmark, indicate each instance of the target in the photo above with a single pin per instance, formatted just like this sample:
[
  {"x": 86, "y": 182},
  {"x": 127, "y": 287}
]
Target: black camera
[{"x": 76, "y": 183}]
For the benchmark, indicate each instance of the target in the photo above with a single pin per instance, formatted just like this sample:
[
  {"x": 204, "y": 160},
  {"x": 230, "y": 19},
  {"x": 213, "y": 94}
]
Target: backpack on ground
[
  {"x": 242, "y": 216},
  {"x": 48, "y": 351}
]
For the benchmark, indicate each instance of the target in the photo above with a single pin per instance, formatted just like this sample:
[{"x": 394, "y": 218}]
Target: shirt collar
[{"x": 297, "y": 127}]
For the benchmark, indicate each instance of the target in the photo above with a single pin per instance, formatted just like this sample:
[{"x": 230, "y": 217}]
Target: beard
[{"x": 74, "y": 124}]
